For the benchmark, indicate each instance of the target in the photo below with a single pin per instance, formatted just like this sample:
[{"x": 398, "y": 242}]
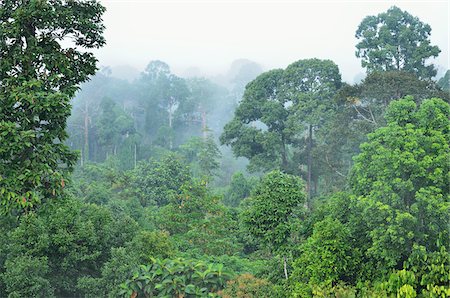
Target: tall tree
[
  {"x": 359, "y": 110},
  {"x": 309, "y": 86},
  {"x": 401, "y": 178},
  {"x": 444, "y": 82},
  {"x": 258, "y": 129},
  {"x": 38, "y": 76},
  {"x": 273, "y": 208},
  {"x": 165, "y": 92},
  {"x": 395, "y": 40}
]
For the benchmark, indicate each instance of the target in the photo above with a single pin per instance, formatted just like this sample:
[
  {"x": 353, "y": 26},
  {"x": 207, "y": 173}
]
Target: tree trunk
[
  {"x": 309, "y": 186},
  {"x": 135, "y": 155},
  {"x": 283, "y": 154},
  {"x": 170, "y": 123},
  {"x": 86, "y": 131},
  {"x": 204, "y": 132},
  {"x": 285, "y": 268}
]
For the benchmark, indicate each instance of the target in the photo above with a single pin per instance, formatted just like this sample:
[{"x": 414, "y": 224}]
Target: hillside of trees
[{"x": 258, "y": 183}]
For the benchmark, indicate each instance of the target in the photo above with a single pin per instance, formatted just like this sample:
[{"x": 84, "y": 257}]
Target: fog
[{"x": 204, "y": 37}]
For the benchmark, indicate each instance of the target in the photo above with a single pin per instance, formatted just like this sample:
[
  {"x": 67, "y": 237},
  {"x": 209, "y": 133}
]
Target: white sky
[{"x": 211, "y": 34}]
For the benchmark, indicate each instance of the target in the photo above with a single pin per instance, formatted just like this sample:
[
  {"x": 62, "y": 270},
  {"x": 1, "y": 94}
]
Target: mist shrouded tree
[
  {"x": 359, "y": 110},
  {"x": 396, "y": 40},
  {"x": 444, "y": 82},
  {"x": 164, "y": 94},
  {"x": 309, "y": 85},
  {"x": 257, "y": 130},
  {"x": 278, "y": 114},
  {"x": 38, "y": 77}
]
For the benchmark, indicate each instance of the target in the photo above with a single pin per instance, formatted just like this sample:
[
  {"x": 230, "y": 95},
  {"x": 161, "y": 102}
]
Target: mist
[{"x": 210, "y": 35}]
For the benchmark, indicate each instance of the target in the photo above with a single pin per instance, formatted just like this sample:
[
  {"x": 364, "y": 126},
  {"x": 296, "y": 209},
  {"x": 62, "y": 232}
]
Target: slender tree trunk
[
  {"x": 135, "y": 155},
  {"x": 283, "y": 153},
  {"x": 309, "y": 186},
  {"x": 86, "y": 131},
  {"x": 204, "y": 132},
  {"x": 170, "y": 123},
  {"x": 285, "y": 268}
]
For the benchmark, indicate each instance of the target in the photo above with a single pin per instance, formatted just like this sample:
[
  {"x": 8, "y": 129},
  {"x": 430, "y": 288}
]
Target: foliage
[
  {"x": 326, "y": 257},
  {"x": 34, "y": 162},
  {"x": 359, "y": 110},
  {"x": 248, "y": 286},
  {"x": 395, "y": 40},
  {"x": 257, "y": 130},
  {"x": 203, "y": 155},
  {"x": 176, "y": 278},
  {"x": 124, "y": 260},
  {"x": 278, "y": 106},
  {"x": 444, "y": 82},
  {"x": 198, "y": 221},
  {"x": 156, "y": 182},
  {"x": 25, "y": 276},
  {"x": 239, "y": 189},
  {"x": 65, "y": 241},
  {"x": 275, "y": 204},
  {"x": 38, "y": 76},
  {"x": 401, "y": 176},
  {"x": 424, "y": 274}
]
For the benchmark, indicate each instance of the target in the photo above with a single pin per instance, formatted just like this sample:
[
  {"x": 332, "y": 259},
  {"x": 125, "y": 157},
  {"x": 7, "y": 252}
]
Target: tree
[
  {"x": 401, "y": 178},
  {"x": 199, "y": 222},
  {"x": 326, "y": 257},
  {"x": 275, "y": 204},
  {"x": 239, "y": 189},
  {"x": 38, "y": 76},
  {"x": 358, "y": 110},
  {"x": 309, "y": 86},
  {"x": 444, "y": 82},
  {"x": 203, "y": 155},
  {"x": 278, "y": 106},
  {"x": 257, "y": 130},
  {"x": 166, "y": 92},
  {"x": 62, "y": 243},
  {"x": 395, "y": 40},
  {"x": 156, "y": 182}
]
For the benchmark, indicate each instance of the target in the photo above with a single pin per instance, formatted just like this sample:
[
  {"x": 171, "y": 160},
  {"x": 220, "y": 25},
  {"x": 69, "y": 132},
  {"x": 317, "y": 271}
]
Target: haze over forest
[{"x": 206, "y": 36}]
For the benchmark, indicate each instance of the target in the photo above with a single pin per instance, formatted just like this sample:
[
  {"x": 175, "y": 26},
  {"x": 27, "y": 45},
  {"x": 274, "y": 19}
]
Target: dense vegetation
[{"x": 329, "y": 189}]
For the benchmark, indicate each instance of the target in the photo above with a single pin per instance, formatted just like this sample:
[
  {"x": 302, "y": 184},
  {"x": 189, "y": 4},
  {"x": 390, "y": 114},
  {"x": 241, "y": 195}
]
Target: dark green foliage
[
  {"x": 31, "y": 34},
  {"x": 239, "y": 189},
  {"x": 396, "y": 40},
  {"x": 26, "y": 276},
  {"x": 402, "y": 177},
  {"x": 203, "y": 156},
  {"x": 38, "y": 76},
  {"x": 146, "y": 220},
  {"x": 123, "y": 262},
  {"x": 199, "y": 222},
  {"x": 66, "y": 240},
  {"x": 392, "y": 221},
  {"x": 276, "y": 202},
  {"x": 157, "y": 182},
  {"x": 33, "y": 160},
  {"x": 359, "y": 110},
  {"x": 176, "y": 278},
  {"x": 328, "y": 256},
  {"x": 257, "y": 130}
]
